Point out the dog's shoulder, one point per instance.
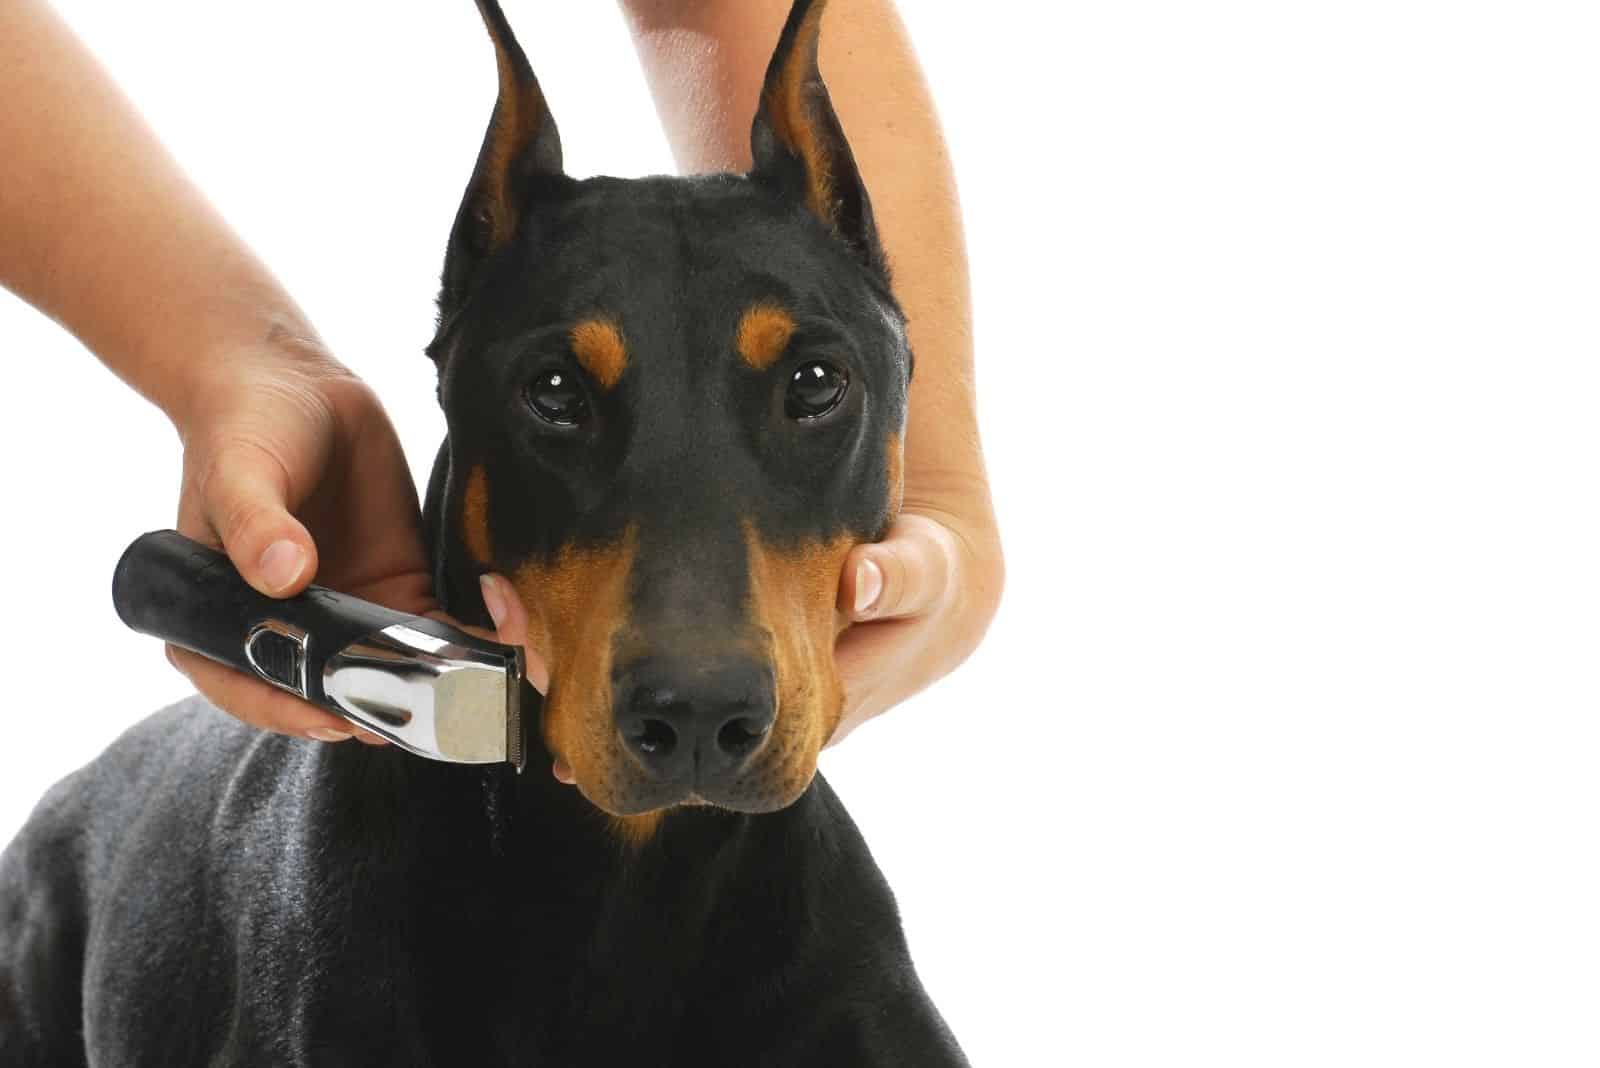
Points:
(91, 807)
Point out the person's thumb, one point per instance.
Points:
(245, 500)
(906, 574)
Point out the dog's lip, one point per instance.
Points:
(664, 797)
(636, 799)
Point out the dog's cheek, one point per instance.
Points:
(475, 517)
(793, 596)
(895, 448)
(578, 602)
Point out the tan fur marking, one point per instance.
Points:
(897, 481)
(599, 348)
(475, 516)
(764, 332)
(576, 603)
(637, 830)
(793, 596)
(791, 118)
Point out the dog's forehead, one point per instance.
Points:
(673, 245)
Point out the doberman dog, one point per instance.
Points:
(673, 406)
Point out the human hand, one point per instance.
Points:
(921, 599)
(291, 467)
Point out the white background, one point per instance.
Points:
(1283, 750)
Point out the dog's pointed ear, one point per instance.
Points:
(521, 149)
(797, 144)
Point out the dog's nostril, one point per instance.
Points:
(742, 734)
(654, 737)
(694, 720)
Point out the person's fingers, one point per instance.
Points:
(906, 574)
(510, 617)
(244, 498)
(256, 703)
(505, 609)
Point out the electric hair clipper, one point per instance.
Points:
(424, 685)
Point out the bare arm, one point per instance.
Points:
(289, 462)
(942, 566)
(107, 236)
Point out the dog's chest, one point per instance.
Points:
(454, 953)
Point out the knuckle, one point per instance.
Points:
(896, 575)
(914, 577)
(237, 495)
(242, 528)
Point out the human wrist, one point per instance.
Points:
(955, 493)
(266, 349)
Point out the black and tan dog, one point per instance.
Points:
(674, 405)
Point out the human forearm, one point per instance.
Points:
(288, 462)
(105, 234)
(705, 60)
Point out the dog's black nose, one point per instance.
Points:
(694, 721)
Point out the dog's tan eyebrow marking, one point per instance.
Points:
(475, 516)
(597, 343)
(764, 332)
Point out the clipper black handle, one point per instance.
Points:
(176, 589)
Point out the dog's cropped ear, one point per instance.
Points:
(520, 150)
(798, 145)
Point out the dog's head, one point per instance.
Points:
(674, 406)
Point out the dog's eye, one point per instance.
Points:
(556, 397)
(815, 390)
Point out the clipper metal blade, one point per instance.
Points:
(453, 698)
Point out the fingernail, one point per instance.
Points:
(869, 584)
(281, 564)
(328, 734)
(562, 772)
(492, 599)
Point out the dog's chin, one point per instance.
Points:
(643, 800)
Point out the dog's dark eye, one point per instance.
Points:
(816, 389)
(556, 397)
